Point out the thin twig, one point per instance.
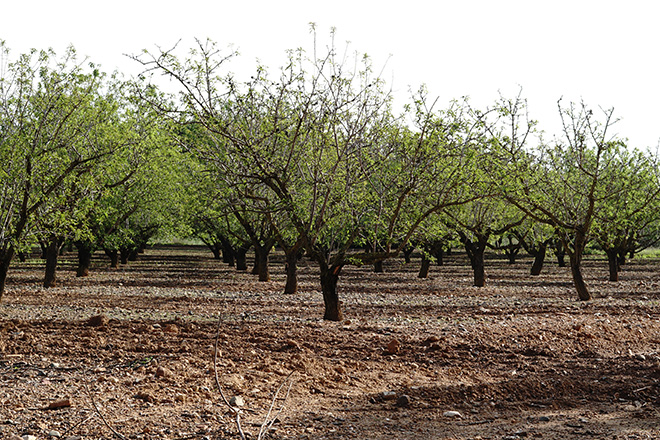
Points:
(96, 408)
(267, 425)
(236, 411)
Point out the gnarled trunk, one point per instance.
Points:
(329, 279)
(378, 266)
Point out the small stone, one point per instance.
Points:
(60, 403)
(290, 344)
(97, 321)
(388, 395)
(163, 372)
(452, 414)
(29, 437)
(171, 328)
(544, 419)
(640, 357)
(144, 396)
(393, 347)
(237, 401)
(54, 433)
(403, 401)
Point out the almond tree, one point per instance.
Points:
(314, 150)
(632, 191)
(562, 183)
(51, 112)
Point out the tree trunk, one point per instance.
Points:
(511, 254)
(291, 267)
(228, 253)
(84, 258)
(539, 258)
(216, 249)
(560, 253)
(479, 268)
(5, 261)
(475, 251)
(407, 252)
(439, 255)
(329, 279)
(241, 257)
(261, 261)
(578, 280)
(425, 267)
(378, 267)
(123, 255)
(52, 252)
(113, 254)
(613, 263)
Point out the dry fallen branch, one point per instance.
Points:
(268, 421)
(267, 425)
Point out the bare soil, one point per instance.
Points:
(520, 358)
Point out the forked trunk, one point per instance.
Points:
(84, 258)
(291, 267)
(511, 254)
(613, 263)
(475, 251)
(329, 279)
(52, 252)
(425, 267)
(539, 258)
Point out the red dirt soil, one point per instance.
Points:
(519, 358)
